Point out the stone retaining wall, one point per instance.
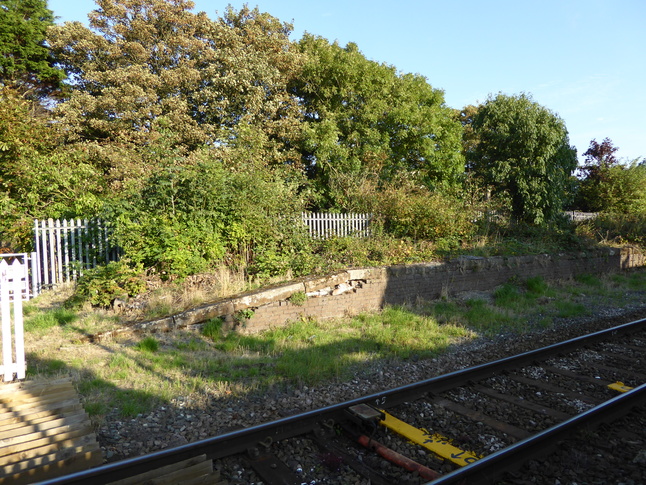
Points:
(371, 289)
(363, 290)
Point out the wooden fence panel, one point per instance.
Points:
(13, 342)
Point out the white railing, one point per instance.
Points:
(64, 248)
(12, 276)
(325, 225)
(580, 216)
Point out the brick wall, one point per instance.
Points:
(362, 290)
(394, 285)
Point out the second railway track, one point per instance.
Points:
(482, 424)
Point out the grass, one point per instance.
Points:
(148, 344)
(521, 306)
(131, 376)
(44, 321)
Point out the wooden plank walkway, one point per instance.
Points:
(44, 432)
(194, 471)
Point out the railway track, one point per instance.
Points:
(477, 425)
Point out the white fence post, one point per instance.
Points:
(13, 343)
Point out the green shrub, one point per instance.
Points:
(242, 316)
(188, 218)
(299, 298)
(616, 228)
(432, 216)
(100, 286)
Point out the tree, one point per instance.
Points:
(595, 174)
(38, 177)
(523, 151)
(26, 63)
(600, 155)
(153, 71)
(608, 185)
(469, 139)
(364, 121)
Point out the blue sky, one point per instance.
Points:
(585, 60)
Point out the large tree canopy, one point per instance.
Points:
(149, 71)
(523, 151)
(26, 63)
(363, 117)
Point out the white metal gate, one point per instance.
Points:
(13, 289)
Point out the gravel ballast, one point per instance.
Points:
(186, 420)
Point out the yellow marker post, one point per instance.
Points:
(432, 442)
(619, 386)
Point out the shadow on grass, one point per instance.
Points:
(136, 376)
(98, 394)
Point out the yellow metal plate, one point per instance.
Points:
(620, 387)
(433, 442)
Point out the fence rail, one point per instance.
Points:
(12, 276)
(65, 248)
(581, 216)
(323, 225)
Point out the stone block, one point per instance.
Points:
(203, 313)
(329, 281)
(263, 297)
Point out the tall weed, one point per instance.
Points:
(616, 228)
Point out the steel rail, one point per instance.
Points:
(492, 467)
(241, 440)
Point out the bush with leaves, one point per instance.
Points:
(100, 286)
(619, 189)
(38, 178)
(616, 228)
(419, 214)
(190, 217)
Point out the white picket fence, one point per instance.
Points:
(580, 216)
(13, 281)
(65, 248)
(323, 225)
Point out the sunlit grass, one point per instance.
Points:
(38, 321)
(134, 375)
(148, 344)
(310, 351)
(520, 306)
